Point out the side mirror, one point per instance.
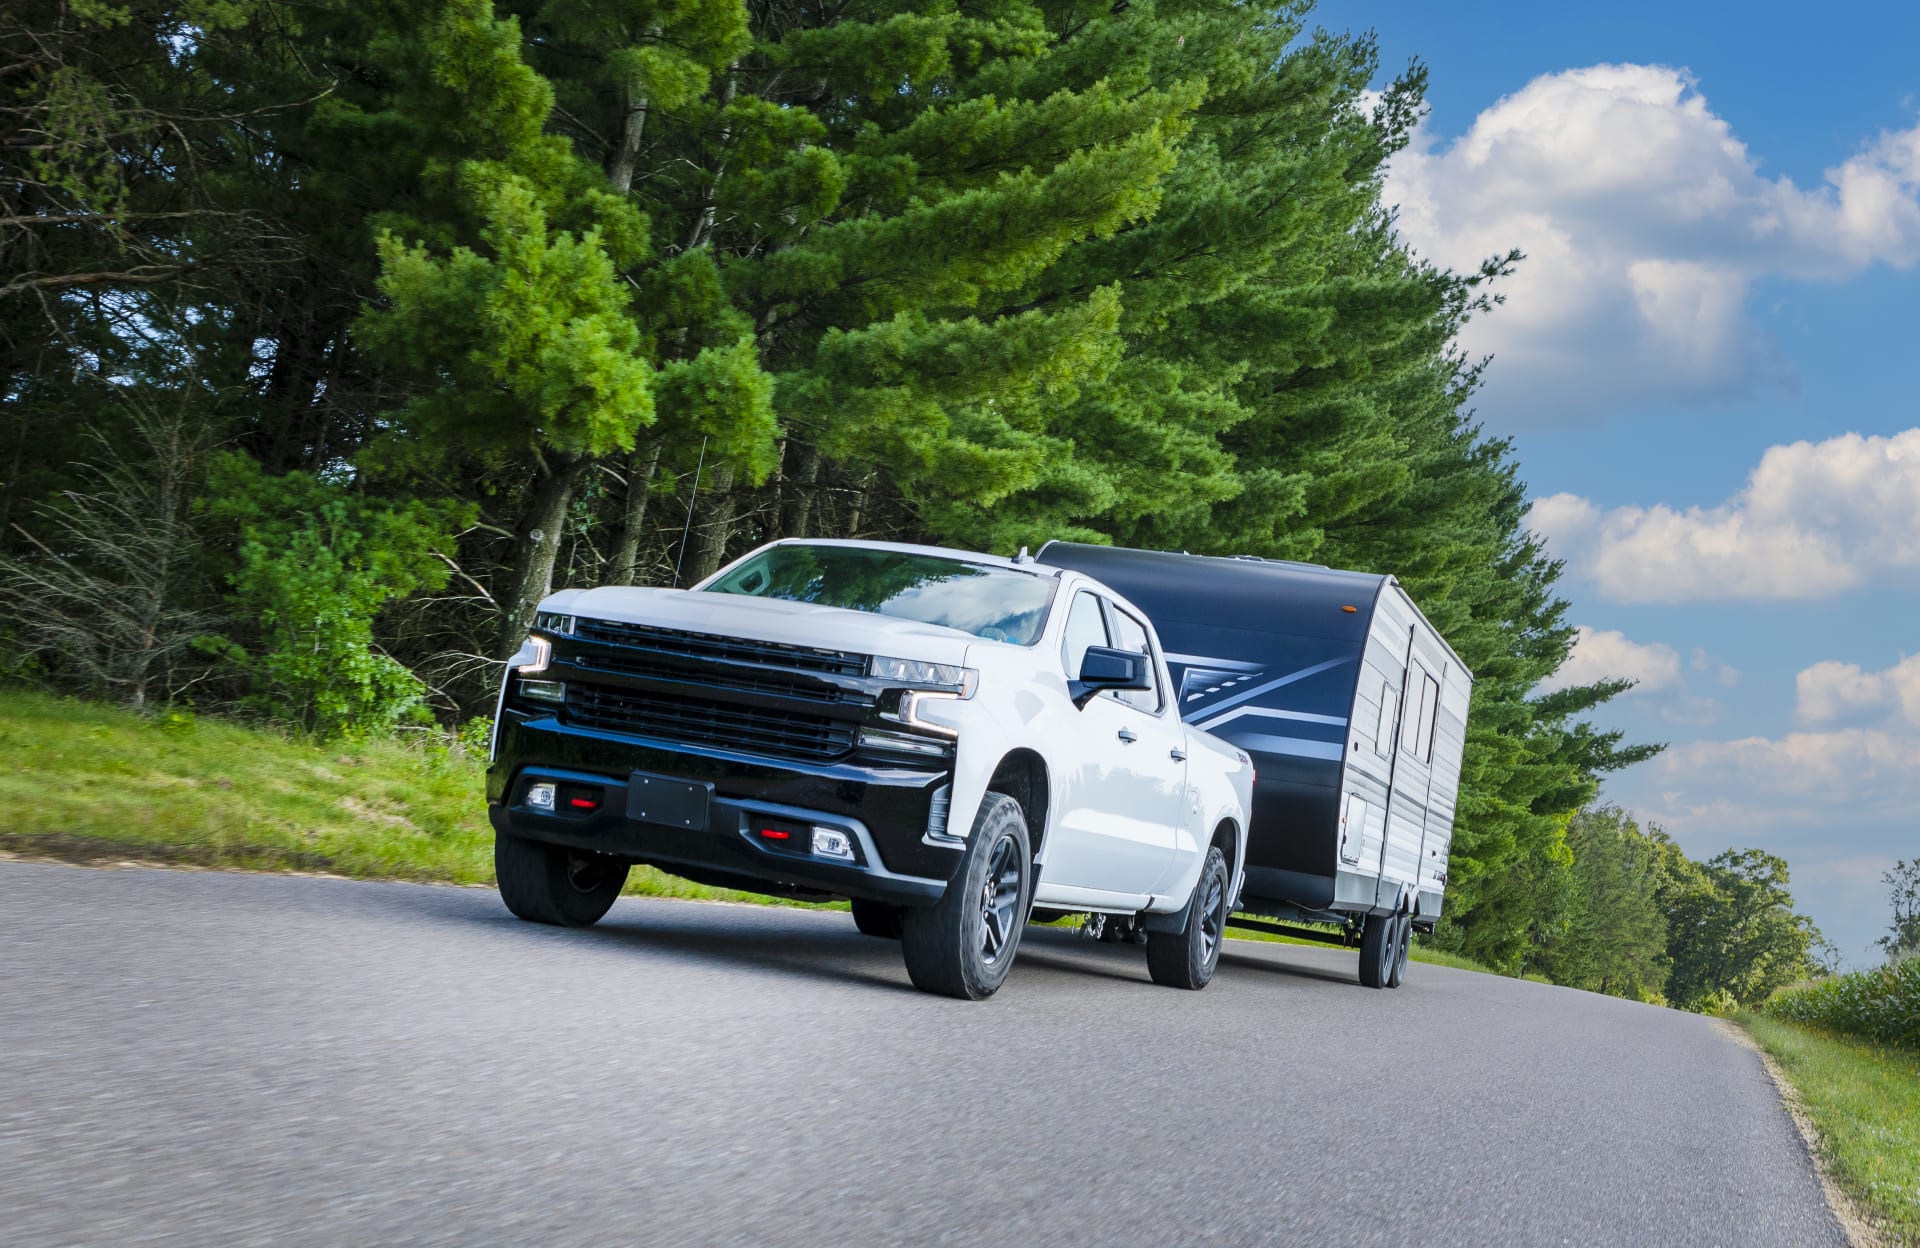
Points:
(1105, 668)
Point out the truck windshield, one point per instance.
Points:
(998, 604)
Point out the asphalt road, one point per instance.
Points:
(195, 1058)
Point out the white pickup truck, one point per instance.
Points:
(950, 740)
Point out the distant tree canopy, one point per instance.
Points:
(488, 298)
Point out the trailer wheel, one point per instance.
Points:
(552, 884)
(1402, 946)
(1187, 958)
(963, 945)
(877, 918)
(1377, 952)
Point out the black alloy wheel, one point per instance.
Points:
(1188, 958)
(964, 944)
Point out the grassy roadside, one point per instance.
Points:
(1864, 1103)
(88, 783)
(84, 782)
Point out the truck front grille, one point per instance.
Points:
(699, 648)
(701, 721)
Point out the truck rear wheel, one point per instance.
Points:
(553, 884)
(877, 918)
(1187, 958)
(1377, 949)
(963, 945)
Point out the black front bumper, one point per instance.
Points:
(884, 810)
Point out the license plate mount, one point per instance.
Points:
(669, 801)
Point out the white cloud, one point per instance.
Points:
(1834, 692)
(1646, 223)
(1814, 518)
(1609, 655)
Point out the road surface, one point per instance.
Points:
(196, 1058)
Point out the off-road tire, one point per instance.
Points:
(1188, 958)
(553, 884)
(1402, 946)
(950, 948)
(877, 918)
(1377, 949)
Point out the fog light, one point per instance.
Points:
(828, 843)
(543, 690)
(540, 797)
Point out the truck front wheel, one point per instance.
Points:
(963, 945)
(1187, 958)
(552, 884)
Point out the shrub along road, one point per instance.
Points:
(197, 1058)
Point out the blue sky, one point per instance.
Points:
(1707, 367)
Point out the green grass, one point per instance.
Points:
(85, 782)
(1864, 1100)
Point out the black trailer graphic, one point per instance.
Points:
(1353, 709)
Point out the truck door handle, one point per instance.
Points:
(1177, 755)
(1127, 737)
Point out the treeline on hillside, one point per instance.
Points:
(335, 334)
(1625, 912)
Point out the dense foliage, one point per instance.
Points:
(335, 335)
(1881, 1004)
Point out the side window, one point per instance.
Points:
(1383, 727)
(1429, 718)
(1410, 718)
(1131, 634)
(1085, 627)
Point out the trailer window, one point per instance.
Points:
(1383, 725)
(1416, 735)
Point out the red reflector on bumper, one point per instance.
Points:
(583, 803)
(776, 834)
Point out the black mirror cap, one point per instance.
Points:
(1105, 668)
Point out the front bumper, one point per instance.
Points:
(885, 811)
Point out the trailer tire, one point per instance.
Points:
(1402, 946)
(964, 944)
(1377, 949)
(553, 884)
(877, 918)
(1188, 958)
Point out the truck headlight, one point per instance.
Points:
(960, 681)
(532, 657)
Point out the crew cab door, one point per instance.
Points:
(1125, 781)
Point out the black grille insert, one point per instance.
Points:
(701, 721)
(702, 647)
(787, 684)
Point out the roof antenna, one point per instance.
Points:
(688, 526)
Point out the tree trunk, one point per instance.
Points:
(801, 472)
(624, 569)
(537, 547)
(712, 527)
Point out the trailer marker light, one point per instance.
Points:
(540, 797)
(1350, 610)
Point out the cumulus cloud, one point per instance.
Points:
(1608, 654)
(1832, 692)
(1646, 223)
(1813, 519)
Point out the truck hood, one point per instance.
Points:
(768, 619)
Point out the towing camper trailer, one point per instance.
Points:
(1354, 710)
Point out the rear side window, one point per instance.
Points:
(1131, 634)
(1085, 627)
